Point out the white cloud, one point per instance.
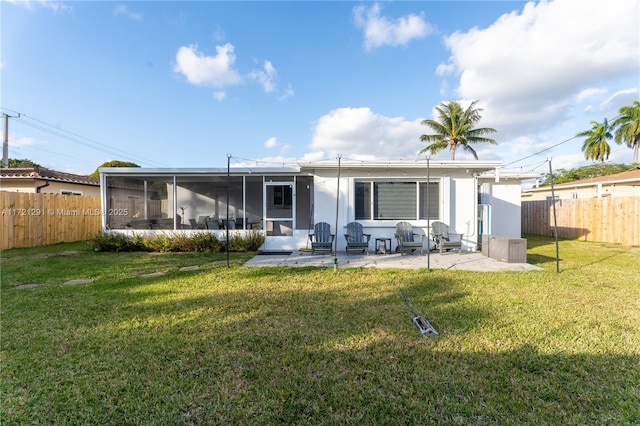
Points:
(267, 76)
(444, 69)
(380, 31)
(54, 6)
(528, 68)
(124, 10)
(213, 71)
(20, 141)
(219, 95)
(359, 133)
(288, 92)
(591, 92)
(619, 99)
(273, 143)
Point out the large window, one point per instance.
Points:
(396, 200)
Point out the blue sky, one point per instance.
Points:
(184, 84)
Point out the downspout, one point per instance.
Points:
(476, 205)
(38, 188)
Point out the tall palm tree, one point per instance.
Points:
(627, 127)
(455, 128)
(595, 146)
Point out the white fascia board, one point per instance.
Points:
(491, 176)
(196, 171)
(476, 166)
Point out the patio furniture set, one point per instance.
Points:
(408, 241)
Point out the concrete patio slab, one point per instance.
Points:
(456, 261)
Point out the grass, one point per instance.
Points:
(244, 345)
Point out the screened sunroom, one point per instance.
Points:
(276, 202)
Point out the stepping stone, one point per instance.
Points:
(152, 275)
(23, 286)
(79, 281)
(190, 268)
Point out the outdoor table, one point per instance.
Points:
(384, 241)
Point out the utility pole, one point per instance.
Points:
(5, 140)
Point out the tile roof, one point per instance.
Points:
(43, 173)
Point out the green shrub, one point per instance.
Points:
(173, 242)
(251, 241)
(159, 243)
(116, 242)
(179, 242)
(205, 241)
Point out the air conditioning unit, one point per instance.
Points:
(506, 249)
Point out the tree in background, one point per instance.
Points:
(455, 128)
(22, 163)
(627, 127)
(596, 146)
(586, 172)
(112, 163)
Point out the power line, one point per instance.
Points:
(78, 139)
(554, 146)
(541, 151)
(65, 156)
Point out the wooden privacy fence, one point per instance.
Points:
(30, 220)
(608, 219)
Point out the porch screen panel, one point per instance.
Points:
(304, 195)
(363, 200)
(140, 202)
(253, 201)
(430, 210)
(394, 200)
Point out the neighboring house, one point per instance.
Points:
(47, 181)
(286, 202)
(625, 184)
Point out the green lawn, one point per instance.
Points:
(244, 345)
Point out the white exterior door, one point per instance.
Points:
(279, 214)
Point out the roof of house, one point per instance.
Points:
(631, 177)
(309, 166)
(43, 173)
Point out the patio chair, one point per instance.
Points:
(201, 221)
(444, 239)
(228, 223)
(407, 239)
(211, 223)
(321, 238)
(357, 240)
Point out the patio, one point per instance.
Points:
(466, 261)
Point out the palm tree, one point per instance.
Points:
(596, 147)
(627, 127)
(454, 128)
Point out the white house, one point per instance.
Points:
(285, 203)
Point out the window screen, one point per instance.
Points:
(429, 207)
(396, 200)
(363, 200)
